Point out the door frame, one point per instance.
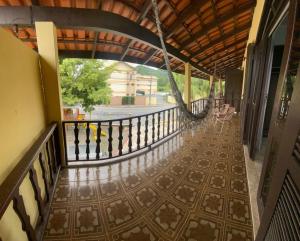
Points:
(287, 163)
(246, 100)
(292, 11)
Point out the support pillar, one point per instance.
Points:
(220, 88)
(211, 80)
(187, 86)
(47, 48)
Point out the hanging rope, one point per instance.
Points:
(176, 93)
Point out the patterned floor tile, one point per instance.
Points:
(86, 191)
(139, 232)
(167, 218)
(202, 228)
(87, 220)
(239, 210)
(238, 169)
(118, 212)
(203, 164)
(164, 182)
(186, 194)
(217, 181)
(196, 177)
(146, 197)
(108, 189)
(213, 203)
(195, 193)
(132, 181)
(233, 233)
(238, 185)
(63, 194)
(59, 223)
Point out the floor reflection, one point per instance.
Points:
(192, 187)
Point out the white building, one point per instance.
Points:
(125, 81)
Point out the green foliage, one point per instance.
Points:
(128, 100)
(84, 81)
(200, 87)
(163, 84)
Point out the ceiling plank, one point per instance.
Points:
(221, 39)
(87, 19)
(243, 40)
(146, 8)
(214, 24)
(224, 58)
(235, 63)
(191, 9)
(98, 6)
(150, 54)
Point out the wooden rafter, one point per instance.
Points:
(214, 24)
(147, 6)
(124, 18)
(223, 38)
(186, 13)
(243, 40)
(235, 63)
(98, 6)
(149, 55)
(225, 58)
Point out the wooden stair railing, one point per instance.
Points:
(45, 150)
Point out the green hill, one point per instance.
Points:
(200, 87)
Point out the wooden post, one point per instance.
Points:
(220, 88)
(187, 86)
(211, 79)
(47, 47)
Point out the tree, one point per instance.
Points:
(162, 77)
(200, 87)
(84, 81)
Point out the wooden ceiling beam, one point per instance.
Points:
(223, 38)
(224, 58)
(232, 60)
(95, 44)
(191, 9)
(216, 18)
(87, 19)
(234, 63)
(226, 62)
(146, 8)
(214, 24)
(149, 55)
(243, 40)
(240, 51)
(98, 6)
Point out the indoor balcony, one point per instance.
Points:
(168, 181)
(158, 176)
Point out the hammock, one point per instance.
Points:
(177, 95)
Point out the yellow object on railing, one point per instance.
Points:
(93, 127)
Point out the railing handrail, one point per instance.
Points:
(127, 118)
(143, 131)
(15, 178)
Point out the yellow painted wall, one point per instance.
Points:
(22, 121)
(254, 29)
(48, 52)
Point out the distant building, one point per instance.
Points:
(127, 84)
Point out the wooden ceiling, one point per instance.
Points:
(207, 33)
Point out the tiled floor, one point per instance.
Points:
(197, 192)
